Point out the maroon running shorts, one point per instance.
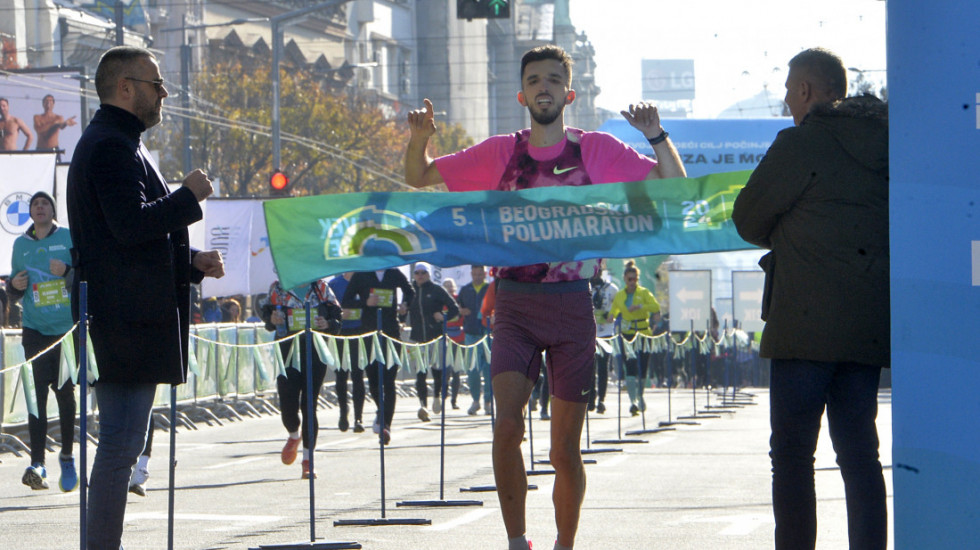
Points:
(553, 317)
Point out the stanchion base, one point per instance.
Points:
(309, 545)
(489, 488)
(723, 408)
(699, 416)
(676, 423)
(382, 522)
(601, 450)
(715, 412)
(618, 441)
(649, 431)
(439, 503)
(540, 472)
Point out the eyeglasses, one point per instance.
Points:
(157, 82)
(421, 271)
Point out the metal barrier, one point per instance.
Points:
(233, 369)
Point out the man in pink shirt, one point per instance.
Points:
(546, 306)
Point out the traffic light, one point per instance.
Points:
(482, 9)
(279, 183)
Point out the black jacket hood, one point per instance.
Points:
(847, 120)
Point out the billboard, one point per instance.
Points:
(42, 111)
(709, 146)
(667, 79)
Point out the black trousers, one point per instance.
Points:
(45, 369)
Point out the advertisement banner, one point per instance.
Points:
(313, 237)
(42, 111)
(34, 172)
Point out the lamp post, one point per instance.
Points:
(277, 22)
(185, 68)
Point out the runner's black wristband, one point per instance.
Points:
(659, 139)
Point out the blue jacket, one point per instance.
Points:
(46, 307)
(473, 300)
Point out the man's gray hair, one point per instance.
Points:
(822, 68)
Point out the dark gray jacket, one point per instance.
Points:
(819, 202)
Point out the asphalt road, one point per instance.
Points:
(697, 486)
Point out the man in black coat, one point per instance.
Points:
(131, 246)
(819, 202)
(428, 310)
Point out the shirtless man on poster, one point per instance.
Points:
(9, 125)
(48, 125)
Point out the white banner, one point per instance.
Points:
(21, 175)
(228, 229)
(236, 228)
(262, 272)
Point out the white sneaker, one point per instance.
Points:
(437, 406)
(137, 483)
(423, 414)
(474, 408)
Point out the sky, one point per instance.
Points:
(738, 47)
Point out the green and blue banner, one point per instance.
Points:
(314, 237)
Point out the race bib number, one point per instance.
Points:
(50, 293)
(386, 296)
(297, 320)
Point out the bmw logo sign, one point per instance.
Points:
(15, 215)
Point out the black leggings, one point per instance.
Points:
(390, 374)
(356, 376)
(45, 370)
(292, 392)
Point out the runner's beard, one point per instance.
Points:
(544, 117)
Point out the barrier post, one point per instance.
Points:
(83, 407)
(442, 502)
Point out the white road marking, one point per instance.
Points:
(462, 520)
(238, 462)
(223, 518)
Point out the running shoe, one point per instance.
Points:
(600, 407)
(69, 477)
(474, 408)
(423, 415)
(306, 471)
(289, 450)
(358, 427)
(386, 436)
(437, 406)
(343, 424)
(35, 477)
(137, 483)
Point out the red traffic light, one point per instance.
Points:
(279, 181)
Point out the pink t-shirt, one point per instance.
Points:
(480, 167)
(604, 158)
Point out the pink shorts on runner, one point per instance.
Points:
(553, 317)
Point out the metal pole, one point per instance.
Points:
(83, 395)
(185, 102)
(173, 465)
(276, 49)
(118, 14)
(310, 414)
